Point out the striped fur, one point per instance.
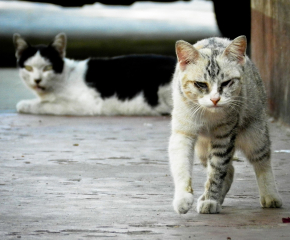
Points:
(219, 107)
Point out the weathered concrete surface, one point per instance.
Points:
(271, 52)
(108, 178)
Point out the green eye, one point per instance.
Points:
(200, 85)
(28, 68)
(47, 68)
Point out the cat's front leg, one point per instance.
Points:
(28, 106)
(36, 106)
(181, 147)
(212, 206)
(219, 172)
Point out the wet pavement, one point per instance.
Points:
(108, 178)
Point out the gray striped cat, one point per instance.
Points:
(219, 107)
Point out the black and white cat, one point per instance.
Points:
(124, 85)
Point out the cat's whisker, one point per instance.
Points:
(198, 112)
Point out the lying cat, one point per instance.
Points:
(124, 85)
(218, 107)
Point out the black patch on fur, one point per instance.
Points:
(48, 52)
(213, 43)
(27, 53)
(227, 160)
(127, 76)
(53, 56)
(223, 175)
(213, 69)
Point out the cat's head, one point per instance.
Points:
(40, 65)
(211, 71)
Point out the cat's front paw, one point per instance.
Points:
(271, 201)
(26, 106)
(23, 106)
(207, 206)
(182, 202)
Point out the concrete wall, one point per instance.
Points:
(271, 52)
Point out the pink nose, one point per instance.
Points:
(215, 100)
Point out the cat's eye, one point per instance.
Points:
(227, 83)
(28, 68)
(200, 85)
(47, 68)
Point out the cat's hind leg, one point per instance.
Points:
(256, 147)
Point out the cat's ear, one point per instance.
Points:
(236, 51)
(59, 44)
(20, 45)
(186, 54)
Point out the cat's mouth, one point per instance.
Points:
(39, 88)
(215, 108)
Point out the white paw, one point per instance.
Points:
(23, 106)
(27, 106)
(207, 206)
(182, 202)
(271, 201)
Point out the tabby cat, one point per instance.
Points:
(124, 85)
(218, 107)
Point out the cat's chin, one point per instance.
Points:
(215, 109)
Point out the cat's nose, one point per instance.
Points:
(37, 81)
(215, 99)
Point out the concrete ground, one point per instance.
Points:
(108, 178)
